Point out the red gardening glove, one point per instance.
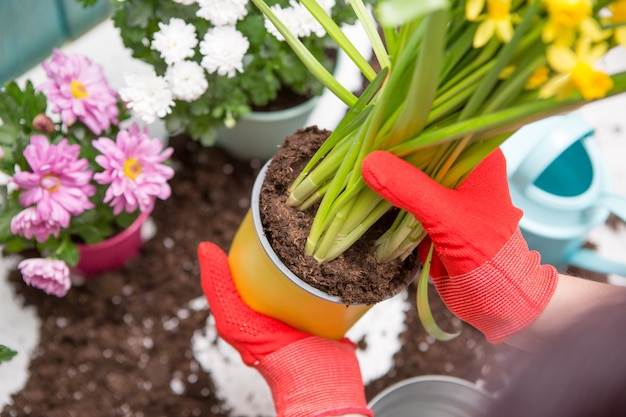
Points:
(308, 376)
(482, 267)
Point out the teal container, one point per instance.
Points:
(79, 19)
(30, 29)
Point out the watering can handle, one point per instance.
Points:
(589, 259)
(560, 134)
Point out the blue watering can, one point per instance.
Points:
(558, 177)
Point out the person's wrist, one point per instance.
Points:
(503, 295)
(315, 377)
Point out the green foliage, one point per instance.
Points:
(270, 65)
(6, 354)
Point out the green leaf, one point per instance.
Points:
(423, 306)
(6, 354)
(423, 87)
(392, 13)
(66, 251)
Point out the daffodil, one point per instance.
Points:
(567, 18)
(618, 16)
(575, 71)
(496, 21)
(538, 78)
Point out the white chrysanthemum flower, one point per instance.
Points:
(284, 15)
(185, 2)
(298, 19)
(308, 23)
(186, 80)
(147, 95)
(222, 12)
(223, 48)
(175, 40)
(305, 20)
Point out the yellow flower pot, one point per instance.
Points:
(269, 287)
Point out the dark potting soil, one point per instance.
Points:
(356, 276)
(112, 346)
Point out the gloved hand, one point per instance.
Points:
(308, 375)
(482, 267)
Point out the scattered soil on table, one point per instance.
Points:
(356, 276)
(112, 346)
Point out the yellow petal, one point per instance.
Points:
(591, 29)
(596, 52)
(484, 33)
(473, 9)
(620, 36)
(504, 29)
(554, 86)
(538, 78)
(560, 58)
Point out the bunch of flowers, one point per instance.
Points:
(212, 61)
(79, 178)
(457, 78)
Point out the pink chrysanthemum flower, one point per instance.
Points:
(133, 168)
(28, 223)
(78, 89)
(59, 184)
(50, 275)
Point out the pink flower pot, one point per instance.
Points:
(112, 253)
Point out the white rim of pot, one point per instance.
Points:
(428, 378)
(287, 113)
(258, 226)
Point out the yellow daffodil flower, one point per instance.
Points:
(538, 78)
(497, 21)
(618, 15)
(566, 18)
(575, 70)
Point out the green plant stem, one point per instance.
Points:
(423, 306)
(316, 178)
(502, 60)
(349, 240)
(335, 32)
(423, 85)
(316, 68)
(370, 28)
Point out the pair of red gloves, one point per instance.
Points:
(481, 268)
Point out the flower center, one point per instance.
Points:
(78, 89)
(538, 78)
(569, 13)
(498, 9)
(619, 11)
(591, 83)
(132, 168)
(50, 183)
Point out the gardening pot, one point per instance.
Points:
(266, 285)
(258, 135)
(110, 254)
(431, 396)
(559, 179)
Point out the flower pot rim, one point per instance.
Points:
(116, 239)
(402, 392)
(289, 112)
(256, 220)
